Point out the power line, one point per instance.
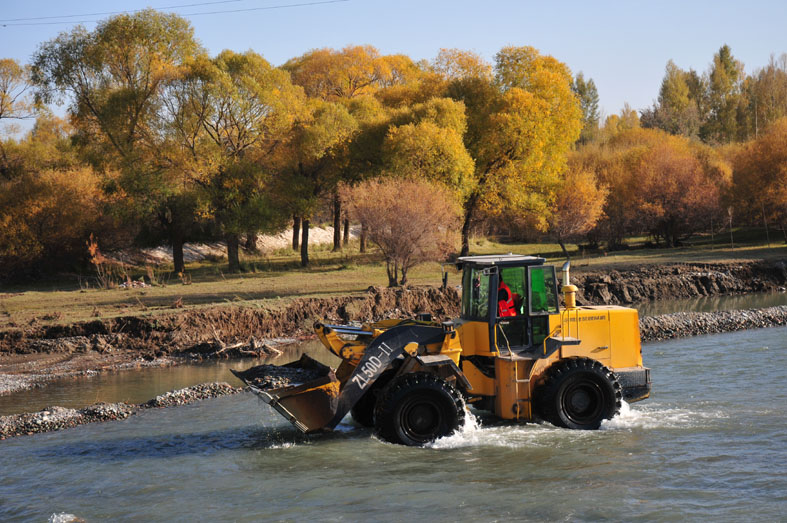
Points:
(305, 4)
(116, 12)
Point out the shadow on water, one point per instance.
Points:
(198, 443)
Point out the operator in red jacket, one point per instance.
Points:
(505, 301)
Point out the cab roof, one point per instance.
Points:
(502, 259)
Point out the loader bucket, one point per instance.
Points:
(310, 405)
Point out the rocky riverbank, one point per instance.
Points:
(57, 418)
(685, 324)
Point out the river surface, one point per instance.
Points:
(712, 303)
(711, 445)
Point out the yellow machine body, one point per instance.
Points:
(500, 364)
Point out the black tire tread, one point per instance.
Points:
(546, 406)
(398, 388)
(363, 410)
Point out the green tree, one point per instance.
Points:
(228, 115)
(724, 96)
(586, 92)
(114, 78)
(677, 110)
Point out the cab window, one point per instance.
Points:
(514, 278)
(543, 290)
(475, 294)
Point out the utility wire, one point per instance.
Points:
(116, 12)
(305, 4)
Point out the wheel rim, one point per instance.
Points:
(421, 419)
(583, 402)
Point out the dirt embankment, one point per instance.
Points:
(231, 331)
(226, 331)
(652, 283)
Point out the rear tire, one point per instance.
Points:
(417, 408)
(579, 393)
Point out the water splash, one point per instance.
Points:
(63, 517)
(654, 416)
(474, 434)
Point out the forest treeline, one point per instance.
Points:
(165, 144)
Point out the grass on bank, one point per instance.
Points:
(274, 279)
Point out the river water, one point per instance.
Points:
(711, 444)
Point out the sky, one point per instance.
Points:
(622, 46)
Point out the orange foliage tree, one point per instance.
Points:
(411, 221)
(661, 184)
(48, 216)
(760, 177)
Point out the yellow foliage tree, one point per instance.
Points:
(520, 126)
(579, 203)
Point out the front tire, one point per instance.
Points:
(417, 408)
(579, 393)
(363, 410)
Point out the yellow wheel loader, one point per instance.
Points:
(514, 352)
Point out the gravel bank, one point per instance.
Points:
(57, 418)
(684, 324)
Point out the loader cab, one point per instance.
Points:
(534, 289)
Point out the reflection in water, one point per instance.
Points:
(712, 303)
(138, 386)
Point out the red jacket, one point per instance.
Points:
(505, 301)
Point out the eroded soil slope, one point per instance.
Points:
(208, 331)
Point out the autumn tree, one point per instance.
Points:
(766, 94)
(113, 79)
(340, 76)
(579, 204)
(15, 102)
(520, 126)
(312, 161)
(677, 110)
(759, 188)
(45, 218)
(228, 115)
(427, 145)
(661, 184)
(406, 232)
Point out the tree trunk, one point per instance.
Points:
(466, 234)
(468, 220)
(346, 238)
(337, 222)
(393, 273)
(177, 252)
(563, 246)
(305, 243)
(403, 281)
(296, 232)
(363, 238)
(765, 222)
(251, 242)
(232, 252)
